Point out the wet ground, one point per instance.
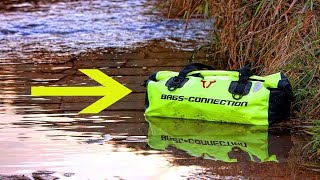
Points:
(45, 44)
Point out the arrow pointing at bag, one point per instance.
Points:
(111, 90)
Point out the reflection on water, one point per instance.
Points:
(217, 141)
(41, 134)
(65, 143)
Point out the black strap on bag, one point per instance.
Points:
(193, 67)
(178, 81)
(237, 88)
(241, 87)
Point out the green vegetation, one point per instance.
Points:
(308, 156)
(315, 143)
(273, 36)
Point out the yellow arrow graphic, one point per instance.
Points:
(111, 90)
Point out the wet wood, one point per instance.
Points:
(117, 106)
(130, 67)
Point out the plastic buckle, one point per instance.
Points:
(238, 90)
(175, 83)
(237, 96)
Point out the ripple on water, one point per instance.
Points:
(74, 26)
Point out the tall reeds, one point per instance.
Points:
(272, 35)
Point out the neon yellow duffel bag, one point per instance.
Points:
(199, 92)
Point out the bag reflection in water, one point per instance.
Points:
(210, 140)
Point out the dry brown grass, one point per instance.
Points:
(272, 35)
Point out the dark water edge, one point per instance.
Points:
(45, 138)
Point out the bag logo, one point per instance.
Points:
(204, 83)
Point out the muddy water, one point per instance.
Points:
(73, 27)
(45, 45)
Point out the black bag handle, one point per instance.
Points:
(178, 81)
(244, 73)
(194, 67)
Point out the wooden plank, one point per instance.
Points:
(132, 97)
(132, 82)
(157, 63)
(120, 105)
(111, 115)
(136, 71)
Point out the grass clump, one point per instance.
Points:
(312, 149)
(272, 35)
(314, 131)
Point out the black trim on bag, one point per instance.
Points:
(260, 80)
(146, 101)
(285, 84)
(153, 77)
(199, 75)
(280, 101)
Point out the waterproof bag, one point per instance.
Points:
(199, 92)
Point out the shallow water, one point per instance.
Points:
(44, 45)
(77, 26)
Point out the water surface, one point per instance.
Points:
(64, 28)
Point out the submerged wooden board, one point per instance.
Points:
(131, 68)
